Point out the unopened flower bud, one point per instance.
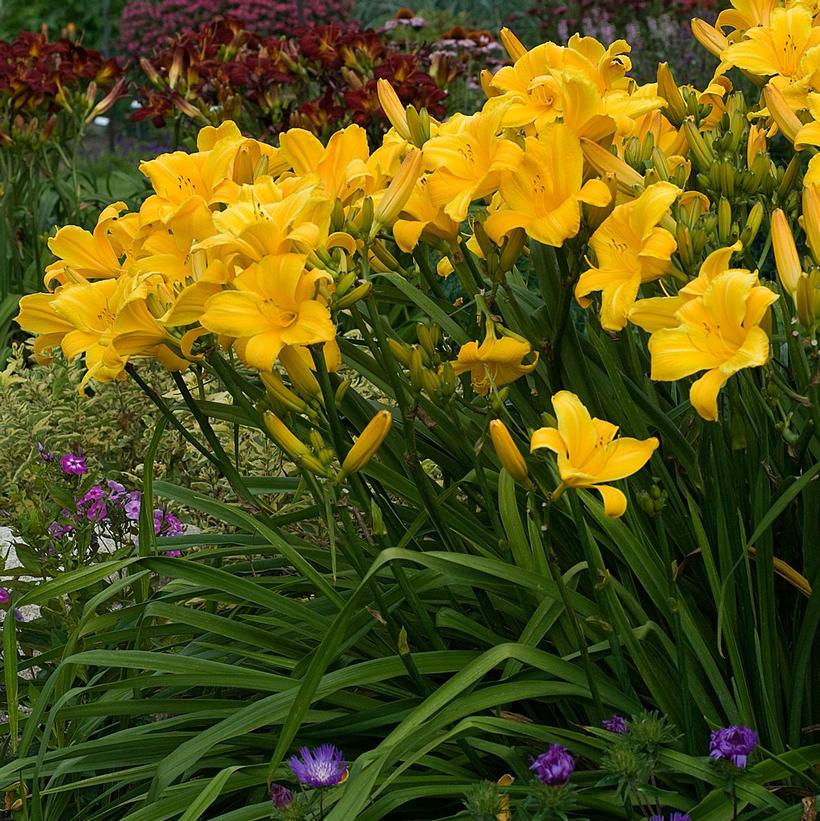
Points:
(807, 299)
(753, 223)
(786, 257)
(675, 110)
(284, 437)
(508, 453)
(512, 45)
(367, 444)
(811, 219)
(398, 192)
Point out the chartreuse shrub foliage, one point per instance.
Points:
(547, 379)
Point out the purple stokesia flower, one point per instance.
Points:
(322, 767)
(5, 598)
(615, 724)
(281, 797)
(733, 744)
(73, 464)
(554, 767)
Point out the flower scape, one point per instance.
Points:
(544, 380)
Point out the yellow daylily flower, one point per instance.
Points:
(274, 305)
(718, 332)
(630, 249)
(467, 163)
(341, 166)
(420, 217)
(776, 49)
(495, 362)
(659, 312)
(746, 14)
(92, 255)
(588, 453)
(787, 260)
(543, 195)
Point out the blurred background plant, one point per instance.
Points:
(50, 92)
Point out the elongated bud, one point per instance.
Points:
(299, 372)
(780, 111)
(709, 37)
(699, 148)
(398, 192)
(753, 223)
(431, 384)
(605, 162)
(790, 176)
(724, 221)
(425, 338)
(508, 454)
(786, 257)
(811, 219)
(675, 110)
(367, 444)
(393, 109)
(513, 247)
(686, 251)
(400, 351)
(756, 143)
(447, 378)
(807, 299)
(416, 368)
(284, 437)
(512, 45)
(351, 298)
(418, 123)
(485, 77)
(150, 72)
(341, 391)
(281, 393)
(384, 256)
(344, 284)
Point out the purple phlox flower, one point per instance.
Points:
(733, 744)
(323, 766)
(132, 505)
(45, 455)
(554, 767)
(5, 598)
(92, 504)
(166, 524)
(59, 531)
(616, 724)
(73, 464)
(281, 797)
(115, 490)
(173, 554)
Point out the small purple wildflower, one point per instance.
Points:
(555, 766)
(5, 598)
(173, 554)
(18, 614)
(166, 524)
(73, 464)
(733, 744)
(675, 816)
(115, 490)
(616, 724)
(59, 531)
(321, 767)
(92, 504)
(45, 455)
(132, 505)
(281, 797)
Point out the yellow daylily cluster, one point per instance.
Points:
(263, 249)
